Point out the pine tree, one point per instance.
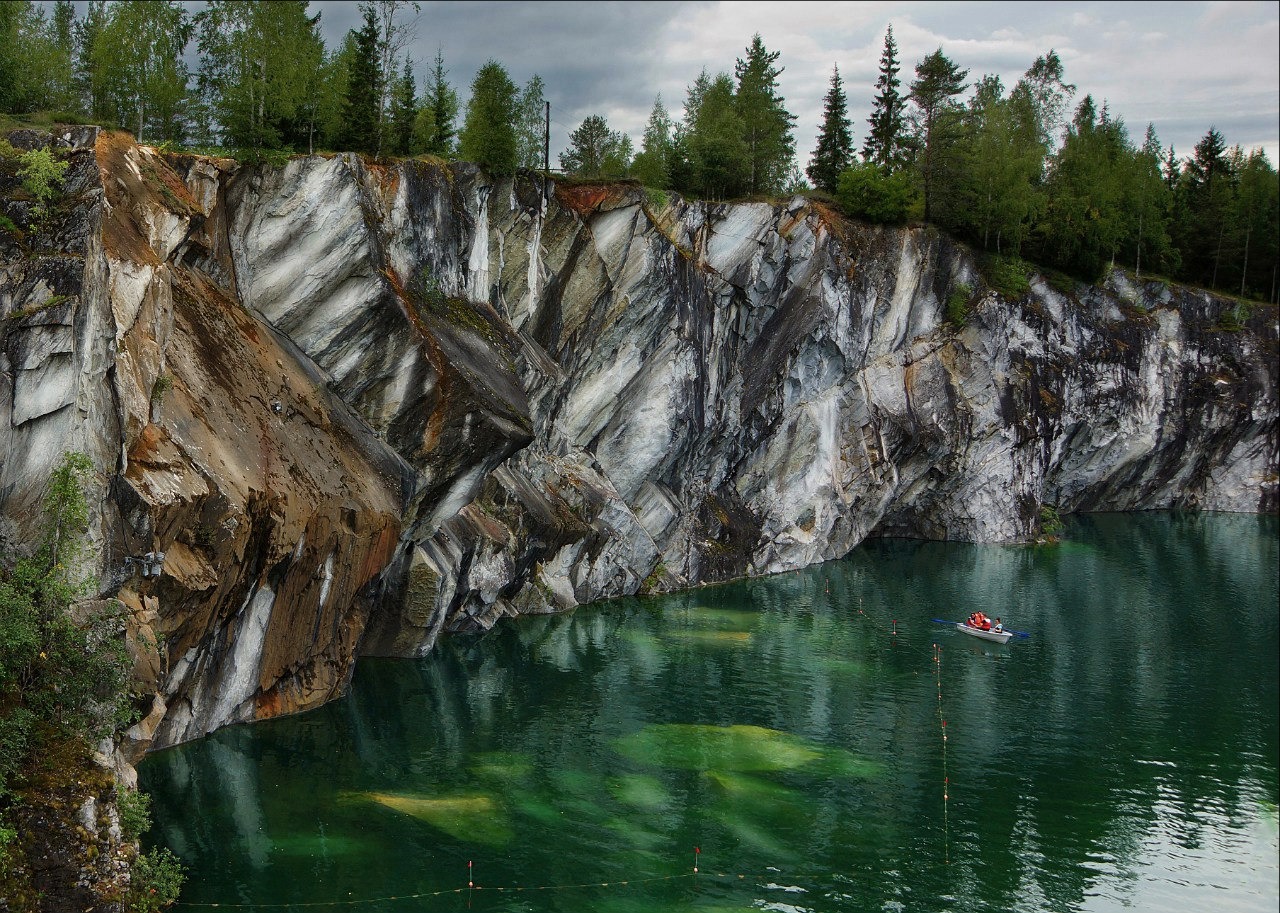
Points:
(404, 112)
(1254, 223)
(885, 144)
(436, 126)
(1001, 163)
(766, 123)
(489, 132)
(938, 81)
(596, 151)
(834, 151)
(364, 88)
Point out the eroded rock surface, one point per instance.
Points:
(360, 406)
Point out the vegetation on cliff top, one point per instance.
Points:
(1011, 170)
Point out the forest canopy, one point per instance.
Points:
(1039, 170)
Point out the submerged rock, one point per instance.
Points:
(340, 408)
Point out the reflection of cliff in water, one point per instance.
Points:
(1126, 752)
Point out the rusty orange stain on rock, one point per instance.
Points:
(584, 199)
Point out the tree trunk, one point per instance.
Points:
(1244, 270)
(1217, 255)
(1137, 263)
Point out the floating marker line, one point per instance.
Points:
(770, 874)
(946, 779)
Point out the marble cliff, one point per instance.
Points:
(360, 405)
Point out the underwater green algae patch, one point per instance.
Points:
(469, 818)
(698, 747)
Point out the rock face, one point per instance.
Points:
(358, 406)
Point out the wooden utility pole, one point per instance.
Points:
(546, 144)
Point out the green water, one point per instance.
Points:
(1122, 757)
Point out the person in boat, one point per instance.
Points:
(999, 628)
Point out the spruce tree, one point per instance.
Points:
(766, 123)
(404, 111)
(359, 131)
(436, 128)
(489, 132)
(886, 139)
(834, 152)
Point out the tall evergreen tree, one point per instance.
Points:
(489, 132)
(938, 82)
(363, 90)
(436, 128)
(681, 166)
(1087, 220)
(404, 112)
(1206, 189)
(531, 124)
(652, 167)
(834, 151)
(886, 140)
(766, 123)
(1254, 225)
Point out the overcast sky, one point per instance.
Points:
(1183, 66)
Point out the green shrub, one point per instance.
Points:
(1010, 276)
(156, 882)
(163, 384)
(865, 191)
(8, 151)
(657, 199)
(135, 812)
(59, 681)
(1051, 524)
(42, 176)
(958, 305)
(1234, 319)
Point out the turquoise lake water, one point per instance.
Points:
(1122, 757)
